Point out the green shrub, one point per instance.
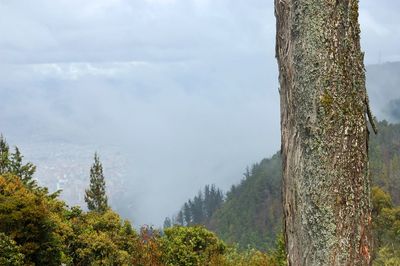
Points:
(190, 246)
(102, 239)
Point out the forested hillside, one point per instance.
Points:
(251, 213)
(385, 159)
(37, 228)
(383, 87)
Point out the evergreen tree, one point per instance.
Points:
(247, 174)
(199, 210)
(197, 207)
(24, 171)
(12, 163)
(95, 196)
(394, 177)
(167, 223)
(4, 155)
(208, 201)
(187, 214)
(179, 218)
(213, 201)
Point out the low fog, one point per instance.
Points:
(181, 93)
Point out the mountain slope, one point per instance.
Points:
(252, 214)
(383, 88)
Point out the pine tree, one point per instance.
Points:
(213, 198)
(24, 171)
(197, 209)
(167, 223)
(207, 201)
(4, 155)
(12, 163)
(394, 177)
(187, 214)
(179, 218)
(95, 196)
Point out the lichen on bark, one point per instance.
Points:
(324, 132)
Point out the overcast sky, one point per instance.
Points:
(187, 88)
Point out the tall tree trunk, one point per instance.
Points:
(326, 190)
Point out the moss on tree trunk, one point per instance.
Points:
(326, 190)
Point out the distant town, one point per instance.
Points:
(64, 166)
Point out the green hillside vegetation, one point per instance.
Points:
(385, 159)
(37, 228)
(251, 213)
(199, 210)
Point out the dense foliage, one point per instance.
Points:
(385, 159)
(198, 210)
(191, 246)
(36, 228)
(385, 174)
(30, 218)
(386, 228)
(9, 251)
(251, 213)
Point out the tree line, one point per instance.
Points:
(251, 212)
(199, 210)
(37, 228)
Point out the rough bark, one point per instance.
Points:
(326, 190)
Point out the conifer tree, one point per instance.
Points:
(95, 196)
(12, 163)
(198, 209)
(167, 223)
(187, 214)
(24, 171)
(213, 198)
(4, 155)
(179, 218)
